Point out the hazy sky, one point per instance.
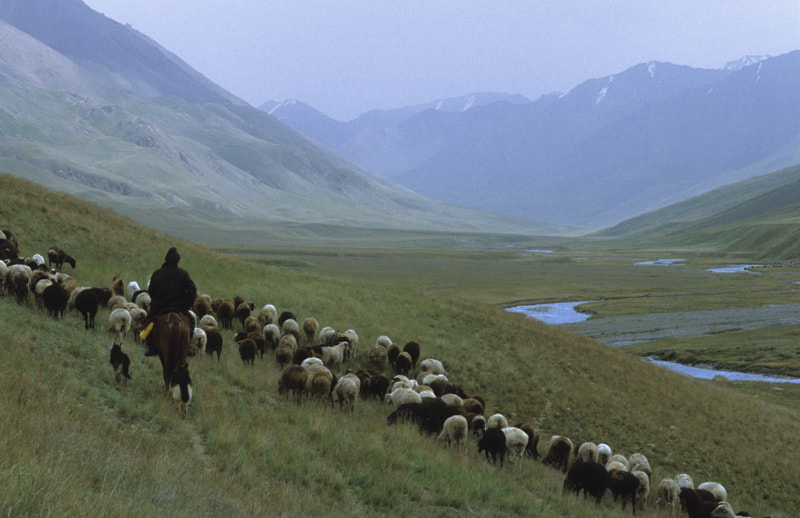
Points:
(345, 57)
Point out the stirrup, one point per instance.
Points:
(146, 332)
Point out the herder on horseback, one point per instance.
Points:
(171, 289)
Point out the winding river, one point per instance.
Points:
(631, 329)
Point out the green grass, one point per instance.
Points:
(74, 442)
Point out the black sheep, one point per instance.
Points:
(87, 302)
(493, 443)
(392, 352)
(623, 484)
(55, 299)
(378, 385)
(213, 341)
(589, 477)
(412, 348)
(695, 504)
(402, 364)
(429, 416)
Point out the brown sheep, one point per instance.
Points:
(243, 311)
(293, 379)
(201, 306)
(247, 351)
(251, 325)
(310, 327)
(533, 439)
(117, 286)
(320, 385)
(377, 356)
(558, 452)
(226, 311)
(57, 257)
(213, 341)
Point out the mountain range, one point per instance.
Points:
(98, 110)
(610, 149)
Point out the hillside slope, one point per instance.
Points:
(74, 441)
(758, 215)
(117, 120)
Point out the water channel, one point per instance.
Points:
(631, 329)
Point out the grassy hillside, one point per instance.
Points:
(759, 215)
(74, 442)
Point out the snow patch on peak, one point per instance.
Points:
(470, 103)
(603, 91)
(287, 102)
(651, 68)
(733, 66)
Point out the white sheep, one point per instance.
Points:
(347, 389)
(452, 400)
(516, 442)
(39, 259)
(116, 302)
(143, 300)
(684, 481)
(119, 323)
(267, 314)
(326, 334)
(272, 335)
(667, 494)
(138, 319)
(588, 452)
(615, 465)
(643, 491)
(639, 462)
(401, 381)
(603, 453)
(621, 459)
(716, 489)
(455, 431)
(290, 325)
(131, 289)
(426, 378)
(497, 421)
(432, 366)
(426, 394)
(199, 340)
(333, 356)
(312, 364)
(401, 396)
(384, 341)
(353, 337)
(3, 272)
(208, 320)
(723, 510)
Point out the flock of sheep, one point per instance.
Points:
(310, 358)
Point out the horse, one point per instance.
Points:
(170, 338)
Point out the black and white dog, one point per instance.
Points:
(120, 363)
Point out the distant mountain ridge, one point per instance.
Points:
(610, 149)
(114, 118)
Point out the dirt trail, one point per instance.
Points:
(631, 329)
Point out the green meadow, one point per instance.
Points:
(74, 442)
